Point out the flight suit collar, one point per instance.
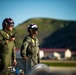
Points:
(32, 37)
(8, 32)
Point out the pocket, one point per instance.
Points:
(33, 44)
(5, 49)
(37, 44)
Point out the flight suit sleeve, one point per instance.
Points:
(2, 42)
(14, 52)
(38, 56)
(24, 47)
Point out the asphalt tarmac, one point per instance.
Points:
(62, 70)
(53, 70)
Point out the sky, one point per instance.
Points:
(22, 10)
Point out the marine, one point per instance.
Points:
(7, 46)
(30, 48)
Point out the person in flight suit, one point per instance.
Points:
(7, 45)
(30, 48)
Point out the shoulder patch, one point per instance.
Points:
(33, 41)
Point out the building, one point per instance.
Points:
(58, 53)
(52, 53)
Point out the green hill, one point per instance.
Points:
(52, 33)
(62, 38)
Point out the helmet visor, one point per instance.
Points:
(10, 22)
(11, 25)
(34, 29)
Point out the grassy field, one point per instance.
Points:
(57, 63)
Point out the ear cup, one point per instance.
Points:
(5, 24)
(29, 30)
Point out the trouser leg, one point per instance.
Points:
(28, 66)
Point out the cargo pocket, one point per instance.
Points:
(5, 49)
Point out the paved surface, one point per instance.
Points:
(58, 71)
(63, 70)
(53, 70)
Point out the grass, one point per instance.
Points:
(60, 64)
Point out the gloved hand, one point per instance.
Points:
(25, 57)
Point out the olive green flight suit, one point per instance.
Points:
(7, 50)
(30, 48)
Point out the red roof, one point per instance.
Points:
(53, 49)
